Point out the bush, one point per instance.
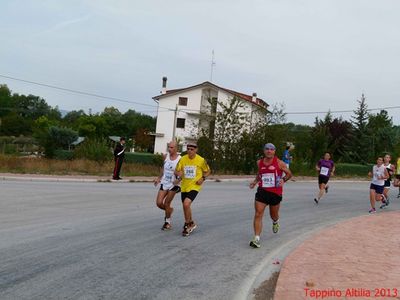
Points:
(10, 149)
(144, 158)
(63, 154)
(94, 149)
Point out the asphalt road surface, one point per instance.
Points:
(103, 240)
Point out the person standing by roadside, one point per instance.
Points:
(287, 157)
(168, 189)
(325, 168)
(270, 182)
(119, 154)
(386, 189)
(193, 170)
(378, 174)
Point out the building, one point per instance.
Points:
(181, 111)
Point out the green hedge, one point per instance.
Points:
(143, 158)
(353, 169)
(342, 169)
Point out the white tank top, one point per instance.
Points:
(377, 172)
(168, 175)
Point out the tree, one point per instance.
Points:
(72, 117)
(227, 123)
(5, 100)
(143, 140)
(382, 134)
(277, 114)
(62, 137)
(360, 146)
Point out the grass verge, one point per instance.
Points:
(33, 165)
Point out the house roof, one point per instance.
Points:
(259, 102)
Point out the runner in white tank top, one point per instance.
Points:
(378, 174)
(167, 179)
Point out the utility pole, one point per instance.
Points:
(174, 129)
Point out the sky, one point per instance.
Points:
(311, 55)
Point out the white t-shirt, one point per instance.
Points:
(377, 172)
(168, 174)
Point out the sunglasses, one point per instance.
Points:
(272, 149)
(191, 149)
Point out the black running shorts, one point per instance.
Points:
(191, 195)
(387, 183)
(175, 188)
(267, 198)
(323, 179)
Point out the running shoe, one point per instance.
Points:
(255, 243)
(315, 200)
(326, 189)
(387, 201)
(372, 211)
(192, 227)
(275, 227)
(185, 231)
(383, 205)
(166, 226)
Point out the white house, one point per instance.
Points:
(179, 111)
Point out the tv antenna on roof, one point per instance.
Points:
(212, 65)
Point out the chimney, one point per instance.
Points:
(254, 97)
(164, 85)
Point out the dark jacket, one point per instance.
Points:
(119, 151)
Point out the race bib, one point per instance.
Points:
(268, 180)
(190, 172)
(168, 177)
(324, 171)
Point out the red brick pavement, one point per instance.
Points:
(356, 259)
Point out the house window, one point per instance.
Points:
(180, 123)
(183, 101)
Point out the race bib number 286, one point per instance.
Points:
(190, 172)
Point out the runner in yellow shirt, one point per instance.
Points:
(192, 169)
(397, 176)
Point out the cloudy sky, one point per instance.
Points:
(312, 55)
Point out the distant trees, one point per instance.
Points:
(359, 140)
(32, 116)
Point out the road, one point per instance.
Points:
(103, 240)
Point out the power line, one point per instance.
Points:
(171, 109)
(80, 92)
(338, 111)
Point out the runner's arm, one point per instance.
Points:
(286, 170)
(385, 175)
(179, 170)
(256, 180)
(157, 180)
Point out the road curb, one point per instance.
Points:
(266, 267)
(41, 178)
